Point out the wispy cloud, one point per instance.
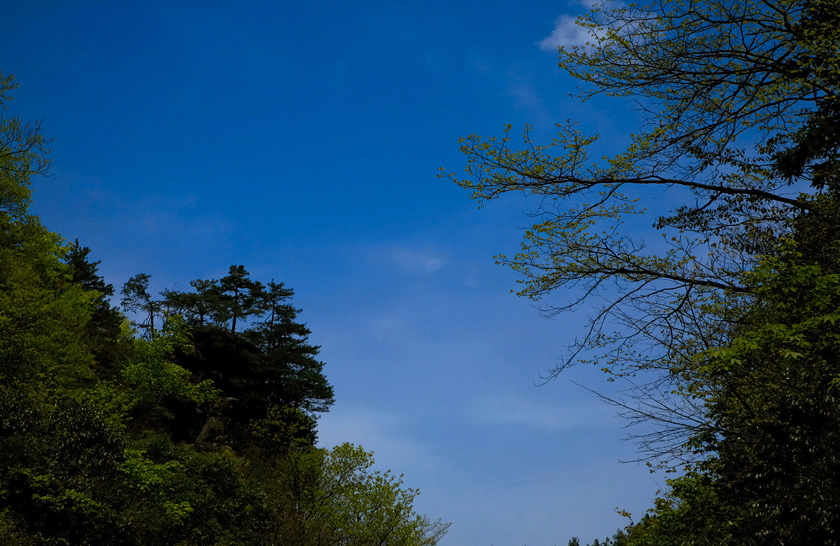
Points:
(526, 98)
(383, 433)
(481, 65)
(521, 411)
(415, 262)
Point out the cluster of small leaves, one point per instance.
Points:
(362, 505)
(23, 153)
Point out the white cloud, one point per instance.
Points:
(566, 33)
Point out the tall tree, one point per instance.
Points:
(241, 296)
(199, 308)
(769, 472)
(738, 100)
(344, 501)
(42, 313)
(88, 455)
(136, 298)
(289, 373)
(772, 399)
(267, 370)
(103, 330)
(734, 313)
(23, 154)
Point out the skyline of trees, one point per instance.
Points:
(183, 431)
(199, 425)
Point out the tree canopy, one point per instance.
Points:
(721, 312)
(737, 99)
(195, 428)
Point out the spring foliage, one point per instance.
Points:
(108, 437)
(722, 313)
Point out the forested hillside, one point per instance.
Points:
(193, 422)
(721, 314)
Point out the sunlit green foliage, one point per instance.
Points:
(22, 155)
(357, 504)
(723, 87)
(739, 102)
(723, 313)
(105, 437)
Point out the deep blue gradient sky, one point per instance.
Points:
(303, 140)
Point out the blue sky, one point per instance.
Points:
(303, 141)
